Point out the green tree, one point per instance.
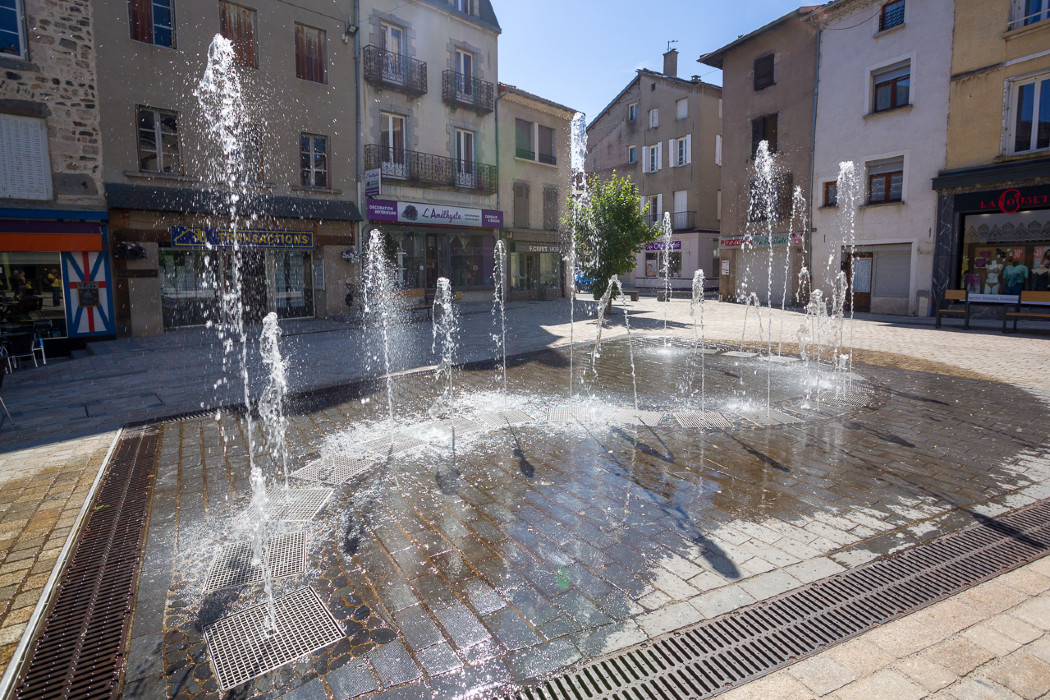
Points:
(609, 229)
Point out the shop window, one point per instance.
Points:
(313, 160)
(470, 260)
(1029, 126)
(159, 141)
(1006, 253)
(189, 288)
(237, 24)
(12, 29)
(886, 181)
(764, 72)
(153, 21)
(550, 208)
(309, 53)
(32, 294)
(23, 140)
(521, 204)
(293, 294)
(891, 15)
(892, 87)
(655, 261)
(764, 128)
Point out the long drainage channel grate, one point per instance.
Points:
(79, 652)
(745, 644)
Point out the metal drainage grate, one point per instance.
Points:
(742, 645)
(769, 417)
(632, 417)
(444, 429)
(501, 419)
(241, 649)
(233, 563)
(298, 504)
(739, 353)
(334, 469)
(393, 443)
(79, 651)
(779, 359)
(561, 414)
(707, 419)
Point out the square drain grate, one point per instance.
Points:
(445, 428)
(394, 443)
(632, 417)
(698, 419)
(739, 353)
(501, 419)
(780, 359)
(334, 469)
(298, 504)
(772, 417)
(561, 414)
(233, 564)
(240, 649)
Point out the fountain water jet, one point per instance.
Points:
(667, 230)
(446, 333)
(271, 403)
(378, 292)
(499, 273)
(698, 301)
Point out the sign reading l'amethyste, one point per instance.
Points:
(433, 214)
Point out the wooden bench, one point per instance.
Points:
(1031, 305)
(416, 300)
(950, 306)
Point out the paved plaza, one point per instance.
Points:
(506, 553)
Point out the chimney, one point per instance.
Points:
(671, 63)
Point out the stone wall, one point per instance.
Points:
(58, 83)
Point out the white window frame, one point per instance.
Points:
(632, 112)
(632, 154)
(680, 151)
(20, 19)
(652, 158)
(1020, 16)
(158, 135)
(1013, 86)
(681, 108)
(654, 117)
(313, 170)
(465, 6)
(26, 173)
(654, 200)
(394, 167)
(718, 150)
(466, 145)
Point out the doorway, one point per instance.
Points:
(858, 274)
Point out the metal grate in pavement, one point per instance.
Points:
(631, 417)
(742, 645)
(241, 649)
(561, 414)
(501, 419)
(298, 504)
(770, 417)
(779, 359)
(233, 563)
(446, 428)
(334, 469)
(698, 419)
(393, 443)
(739, 353)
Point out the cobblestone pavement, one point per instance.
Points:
(53, 451)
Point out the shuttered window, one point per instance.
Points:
(309, 53)
(764, 72)
(764, 129)
(550, 208)
(237, 24)
(886, 180)
(546, 154)
(158, 141)
(26, 171)
(153, 21)
(521, 204)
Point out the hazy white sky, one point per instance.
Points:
(581, 53)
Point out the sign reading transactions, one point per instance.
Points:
(196, 236)
(432, 214)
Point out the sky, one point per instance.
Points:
(582, 53)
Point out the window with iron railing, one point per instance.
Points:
(551, 208)
(546, 151)
(1026, 12)
(892, 15)
(393, 70)
(432, 170)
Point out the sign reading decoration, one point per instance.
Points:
(195, 237)
(432, 215)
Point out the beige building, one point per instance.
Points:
(768, 83)
(534, 177)
(54, 271)
(993, 214)
(428, 137)
(165, 177)
(665, 133)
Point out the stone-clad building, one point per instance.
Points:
(54, 271)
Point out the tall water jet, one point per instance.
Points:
(698, 333)
(271, 402)
(220, 96)
(378, 297)
(848, 198)
(445, 333)
(499, 273)
(765, 202)
(578, 157)
(614, 281)
(798, 213)
(667, 230)
(604, 305)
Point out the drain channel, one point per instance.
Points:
(744, 644)
(79, 652)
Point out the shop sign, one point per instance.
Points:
(373, 182)
(534, 248)
(432, 214)
(761, 241)
(1012, 201)
(87, 294)
(195, 237)
(659, 245)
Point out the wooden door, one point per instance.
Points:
(858, 272)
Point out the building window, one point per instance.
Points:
(465, 6)
(892, 87)
(718, 149)
(546, 154)
(772, 201)
(652, 206)
(892, 15)
(681, 108)
(523, 146)
(1025, 12)
(249, 155)
(654, 118)
(521, 204)
(153, 21)
(653, 157)
(764, 128)
(632, 154)
(681, 151)
(309, 53)
(12, 29)
(764, 72)
(313, 160)
(392, 141)
(237, 24)
(23, 151)
(831, 193)
(632, 111)
(466, 175)
(550, 208)
(464, 76)
(159, 141)
(1030, 121)
(886, 181)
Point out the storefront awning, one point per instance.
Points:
(50, 236)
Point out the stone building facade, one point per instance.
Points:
(54, 270)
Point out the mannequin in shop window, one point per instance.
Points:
(992, 270)
(1015, 274)
(1041, 272)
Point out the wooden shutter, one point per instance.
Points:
(141, 17)
(23, 151)
(309, 53)
(521, 204)
(238, 25)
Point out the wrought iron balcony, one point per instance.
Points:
(429, 170)
(459, 90)
(548, 158)
(683, 220)
(395, 71)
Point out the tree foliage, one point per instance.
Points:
(609, 228)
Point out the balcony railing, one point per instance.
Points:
(524, 153)
(548, 158)
(683, 220)
(459, 90)
(395, 71)
(429, 170)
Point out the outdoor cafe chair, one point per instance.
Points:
(20, 345)
(4, 405)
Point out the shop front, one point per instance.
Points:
(684, 254)
(54, 275)
(535, 270)
(745, 267)
(432, 241)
